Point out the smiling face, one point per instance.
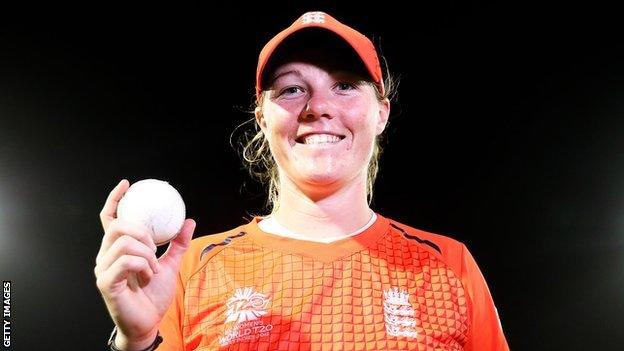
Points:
(321, 120)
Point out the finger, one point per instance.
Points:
(126, 245)
(117, 275)
(119, 227)
(180, 244)
(144, 277)
(109, 211)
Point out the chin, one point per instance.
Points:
(320, 178)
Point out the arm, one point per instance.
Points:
(137, 287)
(486, 333)
(171, 325)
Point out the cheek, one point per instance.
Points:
(278, 133)
(363, 123)
(278, 122)
(364, 128)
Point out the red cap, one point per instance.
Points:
(360, 43)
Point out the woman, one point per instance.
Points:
(322, 271)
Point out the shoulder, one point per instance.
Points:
(444, 247)
(440, 243)
(204, 244)
(202, 248)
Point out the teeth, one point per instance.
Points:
(320, 139)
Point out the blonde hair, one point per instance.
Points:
(256, 154)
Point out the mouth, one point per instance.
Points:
(320, 138)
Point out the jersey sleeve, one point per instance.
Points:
(486, 333)
(171, 325)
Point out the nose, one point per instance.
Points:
(318, 105)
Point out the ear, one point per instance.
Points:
(384, 113)
(260, 118)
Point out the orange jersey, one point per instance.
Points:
(390, 287)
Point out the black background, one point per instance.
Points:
(507, 135)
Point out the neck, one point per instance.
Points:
(335, 213)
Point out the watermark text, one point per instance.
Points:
(6, 314)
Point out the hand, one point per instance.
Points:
(136, 286)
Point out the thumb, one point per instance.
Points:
(180, 244)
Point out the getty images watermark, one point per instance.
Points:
(6, 314)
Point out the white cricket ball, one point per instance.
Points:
(155, 204)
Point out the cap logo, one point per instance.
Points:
(313, 17)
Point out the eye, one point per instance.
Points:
(290, 91)
(346, 86)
